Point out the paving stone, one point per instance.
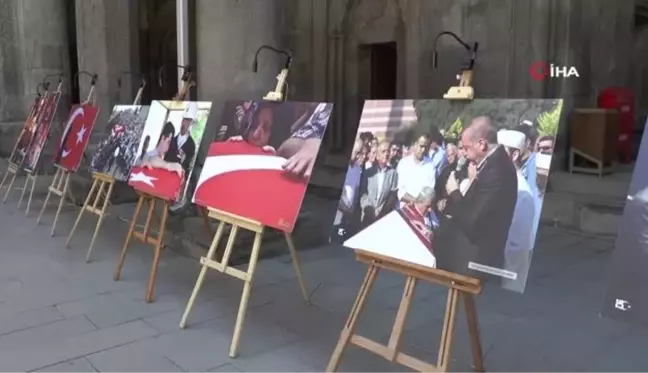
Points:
(226, 368)
(17, 321)
(38, 355)
(77, 365)
(49, 333)
(140, 356)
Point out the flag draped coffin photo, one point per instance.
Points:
(625, 294)
(451, 185)
(117, 151)
(166, 154)
(261, 163)
(74, 140)
(41, 131)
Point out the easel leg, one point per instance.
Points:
(158, 250)
(4, 178)
(85, 205)
(129, 236)
(22, 194)
(473, 329)
(295, 260)
(31, 194)
(11, 183)
(202, 274)
(61, 201)
(401, 317)
(104, 207)
(240, 318)
(445, 345)
(349, 327)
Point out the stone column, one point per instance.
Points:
(229, 32)
(33, 44)
(107, 43)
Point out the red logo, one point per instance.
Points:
(539, 70)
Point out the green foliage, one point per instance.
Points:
(455, 129)
(198, 128)
(452, 116)
(548, 122)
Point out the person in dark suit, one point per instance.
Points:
(476, 224)
(378, 187)
(182, 148)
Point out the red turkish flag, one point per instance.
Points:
(75, 136)
(156, 182)
(244, 180)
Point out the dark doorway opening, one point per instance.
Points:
(383, 71)
(72, 50)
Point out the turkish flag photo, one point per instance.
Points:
(245, 180)
(75, 136)
(157, 182)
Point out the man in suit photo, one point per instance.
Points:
(182, 148)
(477, 228)
(378, 187)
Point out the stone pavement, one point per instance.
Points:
(58, 313)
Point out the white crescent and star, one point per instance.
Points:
(222, 164)
(77, 112)
(143, 178)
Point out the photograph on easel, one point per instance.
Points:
(117, 152)
(167, 149)
(41, 131)
(454, 185)
(625, 298)
(77, 131)
(260, 166)
(22, 143)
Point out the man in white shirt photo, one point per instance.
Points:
(415, 172)
(520, 241)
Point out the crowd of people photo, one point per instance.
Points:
(478, 193)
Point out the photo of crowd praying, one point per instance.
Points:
(476, 171)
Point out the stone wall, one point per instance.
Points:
(595, 36)
(33, 44)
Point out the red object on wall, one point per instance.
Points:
(623, 100)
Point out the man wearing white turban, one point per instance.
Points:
(521, 237)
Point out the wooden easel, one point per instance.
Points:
(12, 167)
(458, 286)
(239, 222)
(145, 235)
(223, 266)
(98, 198)
(32, 175)
(60, 186)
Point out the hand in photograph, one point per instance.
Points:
(265, 148)
(157, 162)
(452, 184)
(302, 162)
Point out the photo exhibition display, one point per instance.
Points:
(118, 150)
(22, 144)
(260, 165)
(166, 154)
(625, 298)
(451, 185)
(41, 131)
(77, 131)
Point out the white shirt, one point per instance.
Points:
(522, 231)
(413, 177)
(182, 139)
(381, 179)
(350, 188)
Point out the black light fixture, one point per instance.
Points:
(471, 49)
(186, 73)
(93, 77)
(285, 52)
